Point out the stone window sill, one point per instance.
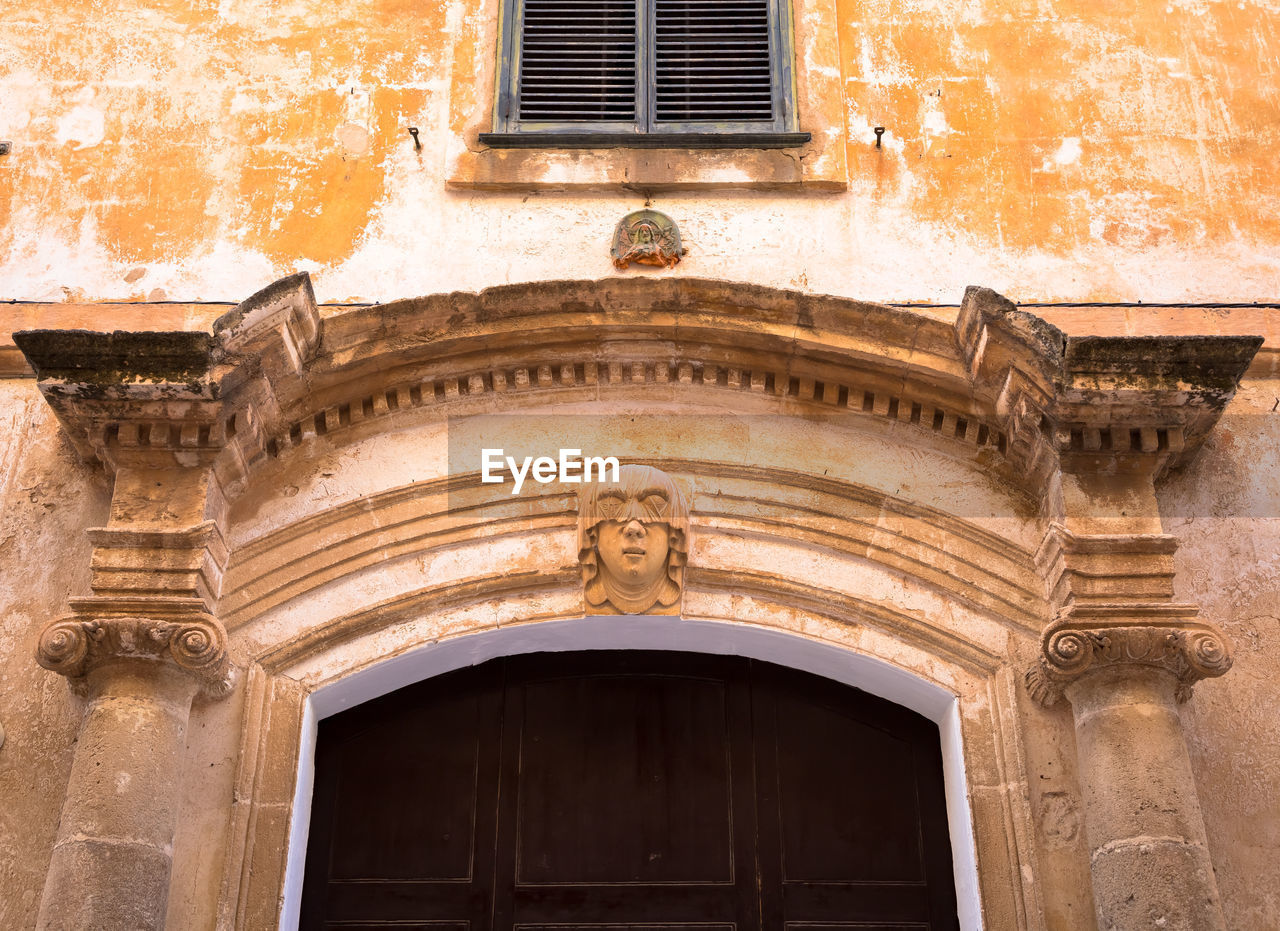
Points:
(628, 168)
(589, 140)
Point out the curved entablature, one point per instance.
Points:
(771, 547)
(1007, 389)
(958, 559)
(423, 615)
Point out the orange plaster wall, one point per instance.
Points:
(157, 132)
(1124, 125)
(1064, 151)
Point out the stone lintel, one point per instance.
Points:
(1088, 638)
(104, 631)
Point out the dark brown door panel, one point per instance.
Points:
(628, 791)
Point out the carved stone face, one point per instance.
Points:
(633, 541)
(633, 553)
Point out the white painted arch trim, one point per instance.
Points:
(649, 633)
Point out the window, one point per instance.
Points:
(594, 73)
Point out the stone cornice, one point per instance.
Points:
(179, 398)
(1096, 403)
(104, 631)
(1164, 636)
(273, 375)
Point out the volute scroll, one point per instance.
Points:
(197, 644)
(1171, 638)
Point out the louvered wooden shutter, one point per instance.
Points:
(712, 61)
(578, 61)
(646, 73)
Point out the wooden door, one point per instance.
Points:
(609, 791)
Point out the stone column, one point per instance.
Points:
(178, 420)
(1124, 671)
(111, 860)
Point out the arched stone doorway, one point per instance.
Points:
(655, 789)
(282, 733)
(955, 503)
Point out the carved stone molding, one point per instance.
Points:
(1164, 636)
(195, 642)
(186, 563)
(1095, 403)
(1106, 568)
(157, 399)
(274, 374)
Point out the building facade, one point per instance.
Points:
(950, 386)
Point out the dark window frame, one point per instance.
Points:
(646, 131)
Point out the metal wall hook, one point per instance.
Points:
(879, 131)
(413, 131)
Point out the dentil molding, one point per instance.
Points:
(999, 383)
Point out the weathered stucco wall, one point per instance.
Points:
(1225, 510)
(48, 497)
(1051, 151)
(327, 531)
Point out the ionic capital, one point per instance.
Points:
(1163, 636)
(195, 643)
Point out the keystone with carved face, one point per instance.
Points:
(633, 542)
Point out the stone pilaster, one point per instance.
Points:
(178, 420)
(112, 857)
(1124, 668)
(1148, 853)
(140, 649)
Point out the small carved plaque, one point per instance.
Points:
(1059, 819)
(648, 238)
(633, 542)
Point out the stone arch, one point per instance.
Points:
(899, 598)
(938, 635)
(287, 697)
(229, 548)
